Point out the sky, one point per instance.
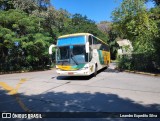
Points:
(96, 10)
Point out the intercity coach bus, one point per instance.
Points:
(80, 54)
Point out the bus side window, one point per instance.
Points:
(107, 48)
(90, 40)
(94, 41)
(102, 47)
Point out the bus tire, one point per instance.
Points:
(95, 70)
(107, 64)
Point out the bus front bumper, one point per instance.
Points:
(73, 73)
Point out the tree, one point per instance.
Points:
(82, 24)
(155, 15)
(28, 27)
(135, 23)
(107, 28)
(23, 42)
(113, 36)
(6, 4)
(27, 6)
(157, 2)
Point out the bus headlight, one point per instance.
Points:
(84, 68)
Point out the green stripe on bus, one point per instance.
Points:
(79, 66)
(101, 58)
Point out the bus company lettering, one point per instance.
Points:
(28, 116)
(34, 116)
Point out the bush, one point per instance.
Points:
(138, 62)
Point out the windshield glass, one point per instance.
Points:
(63, 55)
(72, 55)
(77, 40)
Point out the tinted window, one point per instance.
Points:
(71, 41)
(94, 40)
(90, 40)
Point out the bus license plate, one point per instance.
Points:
(70, 73)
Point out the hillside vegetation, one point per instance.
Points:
(28, 27)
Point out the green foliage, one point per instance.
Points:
(81, 24)
(124, 62)
(27, 6)
(155, 14)
(28, 27)
(157, 2)
(138, 62)
(113, 43)
(23, 42)
(107, 28)
(134, 22)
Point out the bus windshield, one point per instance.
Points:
(71, 55)
(77, 40)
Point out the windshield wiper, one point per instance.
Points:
(74, 59)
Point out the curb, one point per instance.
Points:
(15, 72)
(143, 73)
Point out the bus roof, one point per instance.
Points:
(80, 34)
(72, 35)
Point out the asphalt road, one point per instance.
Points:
(109, 91)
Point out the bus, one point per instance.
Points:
(80, 54)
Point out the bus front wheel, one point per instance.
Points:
(95, 71)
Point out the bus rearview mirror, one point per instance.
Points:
(50, 48)
(87, 47)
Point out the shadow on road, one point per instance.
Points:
(77, 78)
(73, 102)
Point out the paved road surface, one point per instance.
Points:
(109, 91)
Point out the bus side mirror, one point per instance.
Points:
(87, 47)
(50, 48)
